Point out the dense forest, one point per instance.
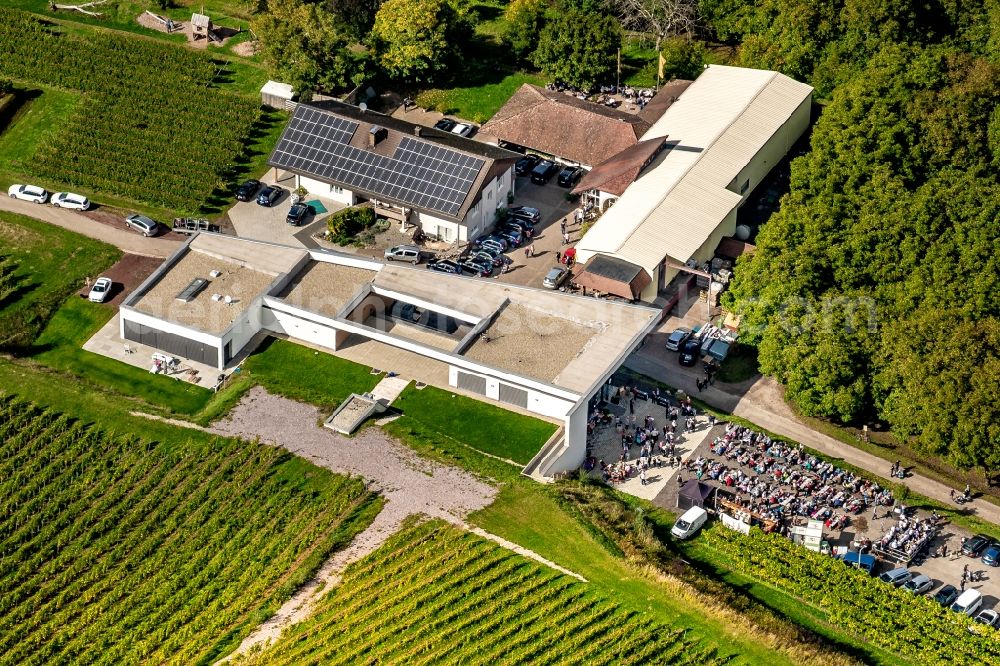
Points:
(874, 290)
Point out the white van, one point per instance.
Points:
(968, 602)
(690, 522)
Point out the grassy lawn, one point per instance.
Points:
(121, 14)
(482, 426)
(52, 263)
(477, 103)
(639, 63)
(301, 373)
(25, 124)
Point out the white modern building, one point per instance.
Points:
(720, 138)
(448, 185)
(541, 351)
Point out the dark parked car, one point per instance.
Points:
(269, 196)
(946, 595)
(510, 226)
(247, 190)
(445, 124)
(526, 213)
(570, 176)
(297, 214)
(524, 165)
(525, 227)
(484, 255)
(445, 266)
(977, 544)
(473, 267)
(513, 236)
(543, 172)
(690, 351)
(491, 240)
(991, 556)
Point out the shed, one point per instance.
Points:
(201, 25)
(809, 535)
(276, 95)
(694, 493)
(612, 275)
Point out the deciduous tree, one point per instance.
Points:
(416, 40)
(579, 48)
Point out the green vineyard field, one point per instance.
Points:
(114, 550)
(893, 619)
(149, 128)
(436, 594)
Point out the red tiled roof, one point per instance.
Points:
(618, 172)
(558, 124)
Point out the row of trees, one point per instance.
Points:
(874, 289)
(335, 44)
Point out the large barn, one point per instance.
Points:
(720, 138)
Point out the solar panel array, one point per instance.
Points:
(419, 173)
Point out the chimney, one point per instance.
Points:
(376, 134)
(417, 131)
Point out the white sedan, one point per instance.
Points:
(99, 292)
(70, 200)
(462, 129)
(28, 193)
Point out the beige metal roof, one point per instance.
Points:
(716, 127)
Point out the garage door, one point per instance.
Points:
(473, 383)
(513, 395)
(171, 343)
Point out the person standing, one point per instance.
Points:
(642, 476)
(565, 238)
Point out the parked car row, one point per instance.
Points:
(39, 195)
(454, 127)
(541, 171)
(968, 602)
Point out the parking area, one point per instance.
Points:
(251, 220)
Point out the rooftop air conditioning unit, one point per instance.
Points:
(215, 274)
(216, 297)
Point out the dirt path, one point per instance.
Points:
(126, 240)
(762, 403)
(409, 483)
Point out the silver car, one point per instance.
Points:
(555, 277)
(678, 338)
(142, 224)
(410, 253)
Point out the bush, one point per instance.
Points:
(6, 87)
(343, 225)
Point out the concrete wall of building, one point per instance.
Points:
(242, 331)
(538, 402)
(575, 450)
(129, 314)
(772, 152)
(326, 191)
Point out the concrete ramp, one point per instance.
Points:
(353, 412)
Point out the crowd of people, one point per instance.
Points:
(906, 537)
(644, 443)
(779, 482)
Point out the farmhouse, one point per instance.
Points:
(541, 351)
(691, 171)
(449, 186)
(554, 124)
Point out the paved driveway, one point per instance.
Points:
(551, 201)
(123, 238)
(268, 224)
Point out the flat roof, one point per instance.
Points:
(560, 339)
(242, 284)
(531, 342)
(324, 287)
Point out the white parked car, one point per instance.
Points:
(31, 193)
(99, 292)
(70, 200)
(462, 129)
